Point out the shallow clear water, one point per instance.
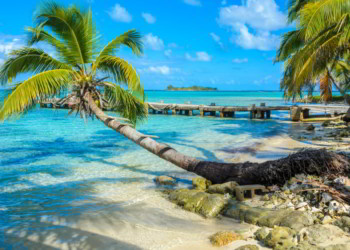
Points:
(61, 177)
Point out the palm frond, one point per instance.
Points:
(37, 35)
(291, 42)
(131, 39)
(317, 16)
(125, 103)
(73, 27)
(294, 7)
(39, 86)
(26, 60)
(122, 71)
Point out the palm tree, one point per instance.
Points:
(313, 51)
(81, 70)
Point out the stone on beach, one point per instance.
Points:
(224, 238)
(208, 205)
(200, 183)
(248, 247)
(228, 187)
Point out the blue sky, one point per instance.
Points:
(228, 44)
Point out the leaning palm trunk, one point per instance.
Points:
(315, 162)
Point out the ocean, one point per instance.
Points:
(69, 184)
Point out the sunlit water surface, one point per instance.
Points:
(69, 184)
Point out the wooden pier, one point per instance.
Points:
(256, 112)
(297, 113)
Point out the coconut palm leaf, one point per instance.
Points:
(291, 42)
(73, 27)
(121, 71)
(294, 7)
(37, 35)
(26, 60)
(41, 85)
(318, 15)
(125, 103)
(131, 39)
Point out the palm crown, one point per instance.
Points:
(78, 66)
(319, 45)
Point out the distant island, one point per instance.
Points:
(193, 88)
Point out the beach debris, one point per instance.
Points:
(165, 180)
(200, 183)
(224, 238)
(251, 189)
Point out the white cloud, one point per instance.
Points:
(148, 18)
(258, 14)
(193, 2)
(9, 43)
(120, 14)
(200, 56)
(153, 42)
(168, 52)
(252, 23)
(240, 60)
(163, 70)
(216, 38)
(173, 45)
(262, 40)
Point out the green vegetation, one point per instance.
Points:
(79, 67)
(193, 88)
(319, 99)
(318, 50)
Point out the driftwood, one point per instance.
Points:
(319, 162)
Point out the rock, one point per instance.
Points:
(344, 223)
(248, 247)
(165, 180)
(305, 246)
(224, 238)
(297, 220)
(321, 234)
(310, 128)
(327, 219)
(200, 183)
(261, 233)
(196, 201)
(326, 197)
(208, 205)
(338, 247)
(301, 205)
(212, 206)
(181, 196)
(265, 217)
(280, 238)
(228, 187)
(273, 217)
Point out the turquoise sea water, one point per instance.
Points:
(56, 171)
